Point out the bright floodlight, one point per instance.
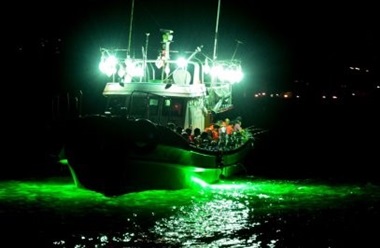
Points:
(108, 65)
(181, 62)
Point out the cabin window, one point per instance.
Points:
(144, 106)
(173, 107)
(153, 102)
(153, 107)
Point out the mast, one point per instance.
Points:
(216, 31)
(145, 54)
(130, 29)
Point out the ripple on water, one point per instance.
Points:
(248, 212)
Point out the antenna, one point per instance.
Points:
(130, 28)
(145, 54)
(216, 31)
(146, 45)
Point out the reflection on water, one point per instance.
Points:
(247, 212)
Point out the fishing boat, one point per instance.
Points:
(132, 145)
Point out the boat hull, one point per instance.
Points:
(104, 155)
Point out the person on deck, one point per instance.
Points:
(195, 136)
(228, 126)
(213, 130)
(238, 125)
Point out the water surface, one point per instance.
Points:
(244, 212)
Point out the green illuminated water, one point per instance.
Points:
(246, 212)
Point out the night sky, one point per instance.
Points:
(282, 41)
